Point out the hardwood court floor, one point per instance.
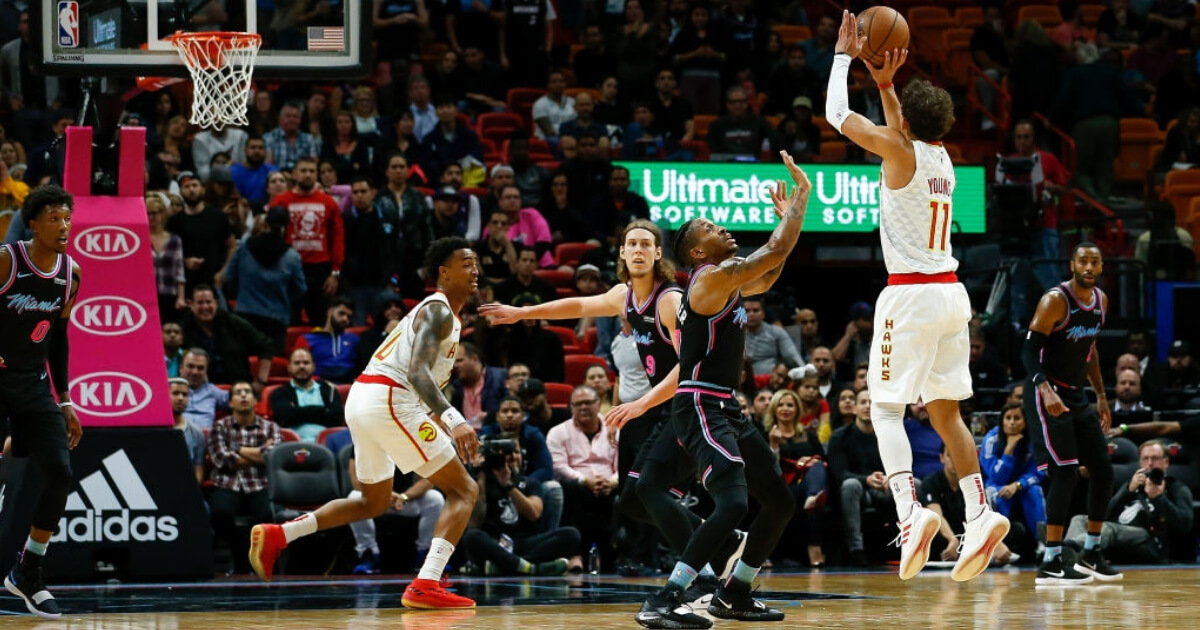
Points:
(1148, 598)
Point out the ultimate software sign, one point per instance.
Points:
(845, 197)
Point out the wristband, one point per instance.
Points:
(884, 86)
(842, 53)
(404, 497)
(1124, 429)
(452, 418)
(66, 404)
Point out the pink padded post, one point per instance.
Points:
(131, 181)
(77, 167)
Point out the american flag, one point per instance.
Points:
(326, 38)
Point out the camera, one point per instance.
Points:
(496, 451)
(1155, 475)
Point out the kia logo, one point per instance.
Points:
(108, 315)
(110, 394)
(107, 242)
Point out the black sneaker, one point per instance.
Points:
(735, 601)
(666, 609)
(1093, 563)
(1056, 572)
(25, 581)
(699, 595)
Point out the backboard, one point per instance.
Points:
(306, 39)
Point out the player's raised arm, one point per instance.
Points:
(433, 325)
(607, 304)
(886, 141)
(892, 60)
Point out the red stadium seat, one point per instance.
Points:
(558, 394)
(569, 340)
(324, 435)
(570, 253)
(577, 366)
(289, 435)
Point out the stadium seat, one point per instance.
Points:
(925, 27)
(289, 435)
(792, 33)
(279, 365)
(701, 125)
(1124, 456)
(574, 92)
(557, 279)
(956, 57)
(1046, 15)
(301, 476)
(345, 483)
(577, 366)
(520, 102)
(969, 17)
(498, 126)
(1138, 135)
(698, 148)
(344, 390)
(569, 340)
(590, 338)
(324, 434)
(263, 408)
(294, 333)
(1091, 14)
(833, 152)
(571, 253)
(558, 394)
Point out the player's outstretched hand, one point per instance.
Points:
(500, 313)
(466, 442)
(799, 177)
(892, 60)
(849, 41)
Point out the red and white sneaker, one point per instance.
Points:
(266, 541)
(979, 542)
(428, 594)
(915, 535)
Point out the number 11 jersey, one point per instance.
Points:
(915, 221)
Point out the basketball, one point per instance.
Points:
(885, 29)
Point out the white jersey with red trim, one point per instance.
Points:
(915, 221)
(393, 356)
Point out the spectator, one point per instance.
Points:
(553, 109)
(501, 175)
(1119, 27)
(797, 446)
(478, 389)
(635, 57)
(855, 345)
(267, 277)
(193, 436)
(799, 135)
(447, 79)
(672, 113)
(773, 58)
(926, 443)
(483, 82)
(940, 493)
(263, 116)
(204, 398)
(1146, 515)
(167, 250)
(1090, 103)
(766, 345)
(497, 255)
(524, 281)
(452, 217)
(608, 111)
(1178, 372)
(518, 373)
(813, 409)
(792, 81)
(389, 309)
(526, 226)
(410, 206)
(533, 345)
(316, 119)
(538, 412)
(334, 350)
(510, 504)
(643, 138)
(612, 211)
(449, 142)
(530, 178)
(986, 371)
(373, 234)
(584, 123)
(173, 347)
(827, 384)
(740, 131)
(746, 32)
(250, 176)
(402, 141)
(238, 446)
(286, 144)
(1182, 145)
(1126, 361)
(588, 173)
(699, 52)
(174, 143)
(585, 463)
(208, 242)
(423, 111)
(989, 52)
(316, 233)
(351, 154)
(208, 143)
(1154, 57)
(1071, 30)
(845, 410)
(1035, 71)
(1129, 393)
(857, 471)
(596, 377)
(1010, 470)
(819, 49)
(228, 339)
(805, 333)
(397, 34)
(596, 60)
(13, 191)
(526, 38)
(305, 405)
(568, 222)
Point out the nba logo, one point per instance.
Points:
(68, 24)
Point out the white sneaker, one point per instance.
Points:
(979, 541)
(915, 535)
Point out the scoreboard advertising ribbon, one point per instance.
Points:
(118, 374)
(845, 197)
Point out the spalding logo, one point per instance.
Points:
(427, 432)
(107, 242)
(108, 315)
(110, 394)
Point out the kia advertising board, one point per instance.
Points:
(118, 376)
(845, 197)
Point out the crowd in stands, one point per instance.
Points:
(286, 251)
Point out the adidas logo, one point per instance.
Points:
(106, 519)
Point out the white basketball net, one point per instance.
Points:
(221, 65)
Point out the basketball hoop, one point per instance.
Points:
(221, 64)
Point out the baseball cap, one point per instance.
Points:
(861, 310)
(587, 269)
(802, 101)
(220, 173)
(526, 298)
(446, 194)
(532, 387)
(184, 177)
(500, 168)
(1179, 348)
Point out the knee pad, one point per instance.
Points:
(887, 413)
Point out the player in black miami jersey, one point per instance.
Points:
(38, 285)
(1061, 359)
(649, 299)
(732, 457)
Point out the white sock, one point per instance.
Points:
(440, 551)
(904, 491)
(973, 496)
(300, 527)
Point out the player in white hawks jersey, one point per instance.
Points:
(920, 348)
(399, 417)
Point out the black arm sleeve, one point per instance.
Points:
(1031, 356)
(59, 351)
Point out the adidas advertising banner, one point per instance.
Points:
(118, 376)
(736, 195)
(135, 513)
